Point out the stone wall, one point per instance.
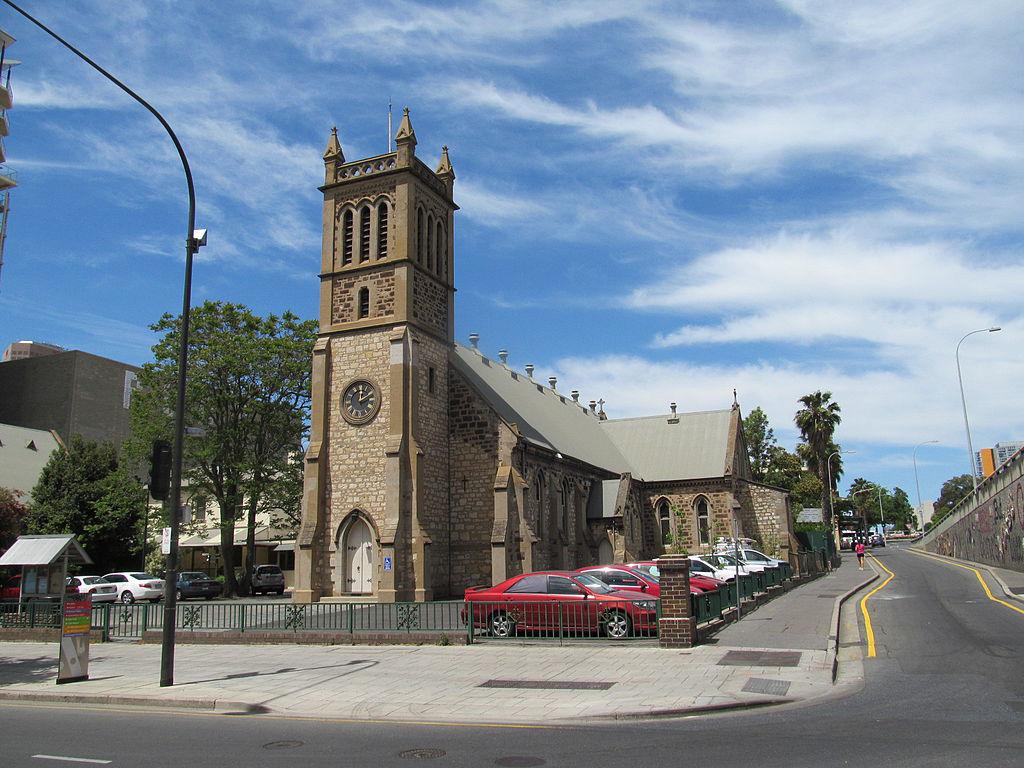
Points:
(765, 517)
(345, 295)
(474, 460)
(682, 498)
(990, 529)
(355, 478)
(430, 302)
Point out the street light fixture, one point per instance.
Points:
(917, 482)
(194, 239)
(963, 400)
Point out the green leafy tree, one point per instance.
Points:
(784, 469)
(249, 390)
(761, 445)
(953, 492)
(84, 491)
(12, 518)
(901, 512)
(807, 490)
(817, 420)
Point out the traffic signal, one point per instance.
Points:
(160, 470)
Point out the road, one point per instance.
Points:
(946, 688)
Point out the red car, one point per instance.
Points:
(573, 604)
(630, 579)
(697, 581)
(11, 589)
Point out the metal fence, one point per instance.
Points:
(569, 619)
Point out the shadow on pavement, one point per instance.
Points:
(27, 670)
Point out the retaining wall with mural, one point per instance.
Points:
(987, 527)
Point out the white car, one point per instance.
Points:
(755, 560)
(133, 585)
(102, 591)
(715, 566)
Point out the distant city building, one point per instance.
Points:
(925, 513)
(988, 460)
(19, 350)
(23, 454)
(69, 392)
(8, 179)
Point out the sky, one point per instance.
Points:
(660, 201)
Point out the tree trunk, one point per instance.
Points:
(250, 546)
(228, 512)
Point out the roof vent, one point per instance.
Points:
(503, 356)
(673, 407)
(673, 419)
(593, 405)
(474, 339)
(552, 381)
(529, 369)
(575, 395)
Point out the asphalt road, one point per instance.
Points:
(946, 689)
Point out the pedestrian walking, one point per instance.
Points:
(859, 549)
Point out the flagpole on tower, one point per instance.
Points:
(389, 124)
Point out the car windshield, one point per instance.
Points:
(141, 576)
(650, 570)
(593, 583)
(268, 569)
(93, 580)
(721, 561)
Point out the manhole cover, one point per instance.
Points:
(770, 687)
(760, 659)
(519, 761)
(287, 744)
(422, 754)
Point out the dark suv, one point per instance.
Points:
(267, 578)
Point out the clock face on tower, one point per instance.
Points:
(360, 402)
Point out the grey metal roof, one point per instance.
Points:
(23, 454)
(543, 416)
(44, 550)
(692, 447)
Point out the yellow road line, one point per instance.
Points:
(864, 608)
(976, 572)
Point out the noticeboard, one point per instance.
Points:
(73, 664)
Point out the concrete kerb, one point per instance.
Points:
(837, 606)
(980, 566)
(208, 705)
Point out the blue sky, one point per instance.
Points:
(661, 201)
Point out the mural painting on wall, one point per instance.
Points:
(993, 533)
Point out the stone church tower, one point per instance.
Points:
(375, 500)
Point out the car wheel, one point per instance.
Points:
(127, 597)
(501, 624)
(616, 625)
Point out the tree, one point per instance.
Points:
(249, 390)
(902, 511)
(12, 518)
(784, 469)
(953, 492)
(84, 491)
(760, 439)
(817, 421)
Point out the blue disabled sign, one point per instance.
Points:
(387, 563)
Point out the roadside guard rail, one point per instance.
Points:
(568, 619)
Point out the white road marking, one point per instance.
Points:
(72, 759)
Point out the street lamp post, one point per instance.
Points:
(194, 239)
(917, 482)
(963, 400)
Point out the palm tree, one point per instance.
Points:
(817, 421)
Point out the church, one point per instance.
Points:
(433, 466)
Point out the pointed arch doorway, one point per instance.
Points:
(356, 547)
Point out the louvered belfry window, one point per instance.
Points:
(346, 226)
(364, 233)
(382, 231)
(364, 303)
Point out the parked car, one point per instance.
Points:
(698, 581)
(548, 601)
(716, 566)
(196, 584)
(877, 540)
(132, 586)
(753, 556)
(11, 589)
(628, 579)
(267, 578)
(102, 591)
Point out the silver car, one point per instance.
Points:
(102, 591)
(267, 578)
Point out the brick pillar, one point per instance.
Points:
(677, 628)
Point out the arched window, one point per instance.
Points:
(419, 235)
(702, 508)
(538, 494)
(364, 303)
(442, 266)
(346, 228)
(382, 231)
(563, 507)
(665, 519)
(430, 243)
(364, 233)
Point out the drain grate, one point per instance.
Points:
(549, 685)
(428, 753)
(760, 659)
(519, 761)
(764, 685)
(286, 744)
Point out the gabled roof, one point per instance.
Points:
(543, 416)
(688, 446)
(44, 550)
(23, 454)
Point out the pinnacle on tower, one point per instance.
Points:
(444, 167)
(405, 140)
(333, 151)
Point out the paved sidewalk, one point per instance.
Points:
(486, 683)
